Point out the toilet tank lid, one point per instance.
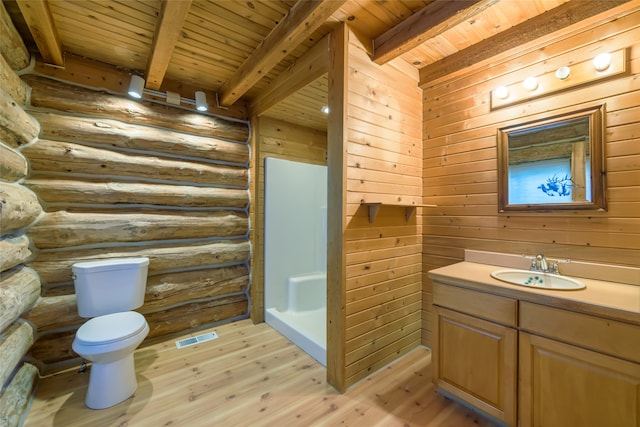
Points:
(110, 264)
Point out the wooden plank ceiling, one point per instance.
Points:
(238, 49)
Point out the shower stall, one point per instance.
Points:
(295, 253)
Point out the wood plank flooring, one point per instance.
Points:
(252, 376)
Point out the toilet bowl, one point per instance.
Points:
(106, 292)
(108, 342)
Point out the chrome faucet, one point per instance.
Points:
(540, 263)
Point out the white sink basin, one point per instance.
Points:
(535, 279)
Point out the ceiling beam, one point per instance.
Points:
(304, 71)
(430, 21)
(553, 20)
(170, 22)
(37, 16)
(305, 17)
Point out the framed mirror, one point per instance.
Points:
(554, 163)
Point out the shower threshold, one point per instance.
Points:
(306, 329)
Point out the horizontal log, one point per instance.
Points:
(63, 127)
(19, 207)
(11, 82)
(14, 251)
(13, 165)
(62, 229)
(15, 341)
(66, 192)
(16, 126)
(54, 350)
(163, 291)
(15, 399)
(19, 290)
(55, 266)
(54, 313)
(198, 315)
(67, 157)
(166, 290)
(50, 94)
(12, 47)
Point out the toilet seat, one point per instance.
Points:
(110, 328)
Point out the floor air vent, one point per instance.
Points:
(196, 340)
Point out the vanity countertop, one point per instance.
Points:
(609, 299)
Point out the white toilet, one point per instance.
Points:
(106, 291)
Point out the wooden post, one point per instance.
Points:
(336, 202)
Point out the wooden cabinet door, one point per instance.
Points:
(563, 385)
(475, 360)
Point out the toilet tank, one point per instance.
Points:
(110, 286)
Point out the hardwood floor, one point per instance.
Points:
(252, 376)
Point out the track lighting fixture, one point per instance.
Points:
(137, 90)
(136, 86)
(201, 101)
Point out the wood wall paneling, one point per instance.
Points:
(383, 259)
(460, 168)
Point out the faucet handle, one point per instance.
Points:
(555, 264)
(531, 258)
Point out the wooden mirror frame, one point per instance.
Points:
(595, 116)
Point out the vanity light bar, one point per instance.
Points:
(603, 66)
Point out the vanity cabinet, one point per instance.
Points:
(530, 364)
(475, 356)
(577, 369)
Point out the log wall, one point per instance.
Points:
(120, 178)
(383, 270)
(282, 140)
(19, 208)
(460, 150)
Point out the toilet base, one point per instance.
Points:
(111, 383)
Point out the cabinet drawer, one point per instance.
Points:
(602, 335)
(486, 306)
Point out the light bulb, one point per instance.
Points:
(530, 83)
(563, 73)
(502, 92)
(602, 61)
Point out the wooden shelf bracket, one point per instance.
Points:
(374, 208)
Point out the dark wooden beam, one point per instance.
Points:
(432, 20)
(567, 14)
(303, 19)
